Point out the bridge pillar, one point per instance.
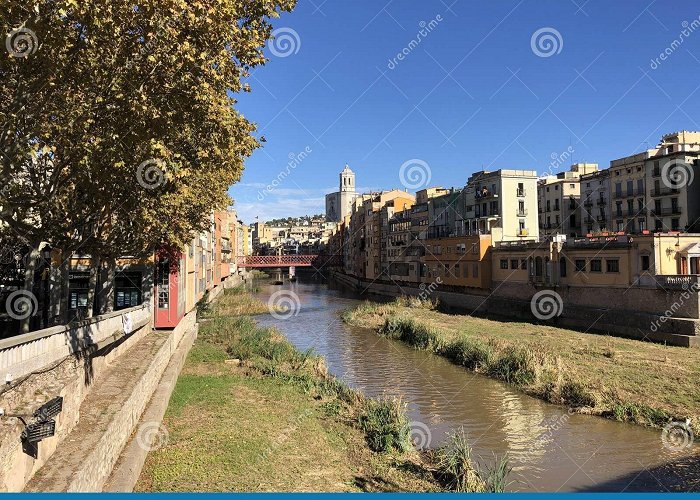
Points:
(292, 271)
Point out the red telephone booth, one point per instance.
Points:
(169, 290)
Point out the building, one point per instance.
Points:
(595, 202)
(628, 185)
(458, 261)
(559, 198)
(673, 195)
(502, 203)
(339, 204)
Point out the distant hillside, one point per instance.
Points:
(297, 221)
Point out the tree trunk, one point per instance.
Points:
(107, 294)
(92, 285)
(27, 307)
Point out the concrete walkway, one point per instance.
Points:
(108, 415)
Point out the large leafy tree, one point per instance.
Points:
(118, 126)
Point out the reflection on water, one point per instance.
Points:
(550, 449)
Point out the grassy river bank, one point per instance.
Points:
(621, 379)
(250, 412)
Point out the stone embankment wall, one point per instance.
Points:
(643, 313)
(67, 361)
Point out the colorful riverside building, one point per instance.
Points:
(183, 278)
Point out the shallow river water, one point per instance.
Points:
(549, 449)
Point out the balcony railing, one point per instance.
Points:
(520, 192)
(655, 193)
(601, 218)
(588, 203)
(522, 212)
(602, 202)
(630, 193)
(656, 172)
(666, 211)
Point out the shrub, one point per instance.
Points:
(515, 366)
(412, 332)
(455, 463)
(575, 395)
(386, 425)
(468, 352)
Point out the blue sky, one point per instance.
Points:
(477, 91)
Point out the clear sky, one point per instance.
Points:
(487, 85)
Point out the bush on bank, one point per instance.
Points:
(534, 366)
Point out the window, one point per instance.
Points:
(504, 263)
(613, 265)
(580, 265)
(523, 265)
(562, 267)
(596, 266)
(645, 262)
(513, 263)
(675, 224)
(475, 270)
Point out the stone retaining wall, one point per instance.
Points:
(585, 308)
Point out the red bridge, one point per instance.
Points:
(316, 261)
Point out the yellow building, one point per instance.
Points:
(501, 203)
(461, 261)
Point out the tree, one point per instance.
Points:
(118, 126)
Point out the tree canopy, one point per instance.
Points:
(118, 125)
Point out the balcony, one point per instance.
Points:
(485, 194)
(602, 202)
(523, 232)
(664, 191)
(588, 203)
(601, 218)
(666, 211)
(629, 194)
(656, 172)
(589, 220)
(520, 192)
(521, 212)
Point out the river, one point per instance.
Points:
(549, 449)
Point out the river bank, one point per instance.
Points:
(621, 379)
(252, 413)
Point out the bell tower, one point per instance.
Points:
(347, 180)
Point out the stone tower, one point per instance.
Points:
(339, 204)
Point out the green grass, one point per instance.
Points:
(275, 421)
(623, 379)
(386, 425)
